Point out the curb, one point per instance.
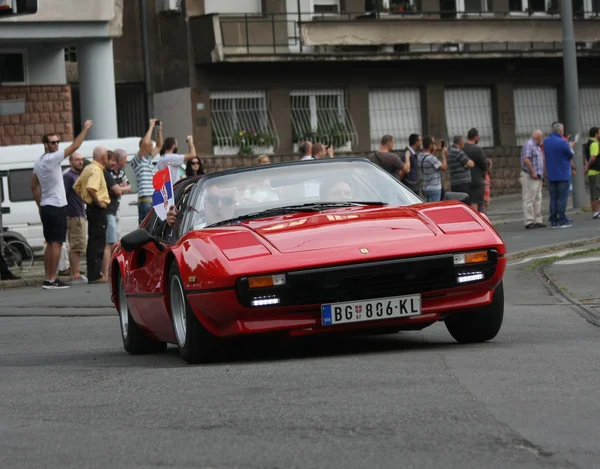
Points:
(554, 289)
(33, 281)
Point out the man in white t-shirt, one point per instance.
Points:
(175, 160)
(48, 188)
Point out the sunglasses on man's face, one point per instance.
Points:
(53, 142)
(215, 199)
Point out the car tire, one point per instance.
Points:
(478, 325)
(195, 343)
(135, 340)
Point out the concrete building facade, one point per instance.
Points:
(33, 68)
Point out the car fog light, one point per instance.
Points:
(265, 301)
(470, 277)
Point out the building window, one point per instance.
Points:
(396, 113)
(589, 106)
(13, 68)
(71, 54)
(241, 123)
(326, 6)
(535, 108)
(545, 7)
(321, 116)
(467, 108)
(473, 6)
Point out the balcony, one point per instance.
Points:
(412, 32)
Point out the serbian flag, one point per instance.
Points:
(162, 198)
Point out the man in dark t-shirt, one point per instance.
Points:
(76, 220)
(479, 169)
(384, 158)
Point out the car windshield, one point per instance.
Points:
(288, 188)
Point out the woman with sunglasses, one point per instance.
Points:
(194, 168)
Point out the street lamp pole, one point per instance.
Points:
(573, 123)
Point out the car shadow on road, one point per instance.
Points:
(260, 350)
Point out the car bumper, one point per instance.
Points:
(221, 313)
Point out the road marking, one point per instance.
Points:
(577, 261)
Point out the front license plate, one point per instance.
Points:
(371, 310)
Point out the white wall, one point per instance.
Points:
(232, 6)
(174, 109)
(46, 66)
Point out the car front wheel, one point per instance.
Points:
(478, 325)
(196, 344)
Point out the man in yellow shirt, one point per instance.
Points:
(91, 187)
(591, 149)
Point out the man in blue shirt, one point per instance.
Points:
(558, 154)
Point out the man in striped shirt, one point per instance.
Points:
(430, 167)
(144, 170)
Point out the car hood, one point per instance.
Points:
(361, 226)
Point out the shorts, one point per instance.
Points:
(594, 187)
(76, 227)
(54, 222)
(476, 195)
(111, 228)
(464, 188)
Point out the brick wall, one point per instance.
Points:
(506, 166)
(47, 109)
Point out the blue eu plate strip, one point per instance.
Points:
(326, 315)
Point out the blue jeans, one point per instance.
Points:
(143, 210)
(433, 196)
(559, 194)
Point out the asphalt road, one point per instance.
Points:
(72, 398)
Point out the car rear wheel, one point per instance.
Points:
(196, 344)
(135, 341)
(479, 325)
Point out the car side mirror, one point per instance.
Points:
(460, 196)
(138, 238)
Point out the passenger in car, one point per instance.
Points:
(335, 190)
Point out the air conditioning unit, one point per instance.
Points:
(169, 6)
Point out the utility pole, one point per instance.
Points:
(573, 118)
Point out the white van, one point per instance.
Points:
(15, 188)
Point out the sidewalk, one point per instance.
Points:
(509, 209)
(505, 213)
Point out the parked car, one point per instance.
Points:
(302, 248)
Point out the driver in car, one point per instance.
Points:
(219, 204)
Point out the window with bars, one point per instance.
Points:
(241, 123)
(535, 108)
(589, 108)
(71, 54)
(321, 116)
(467, 108)
(396, 113)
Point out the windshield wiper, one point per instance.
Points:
(308, 207)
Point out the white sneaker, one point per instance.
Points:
(80, 279)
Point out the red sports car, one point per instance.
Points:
(301, 248)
